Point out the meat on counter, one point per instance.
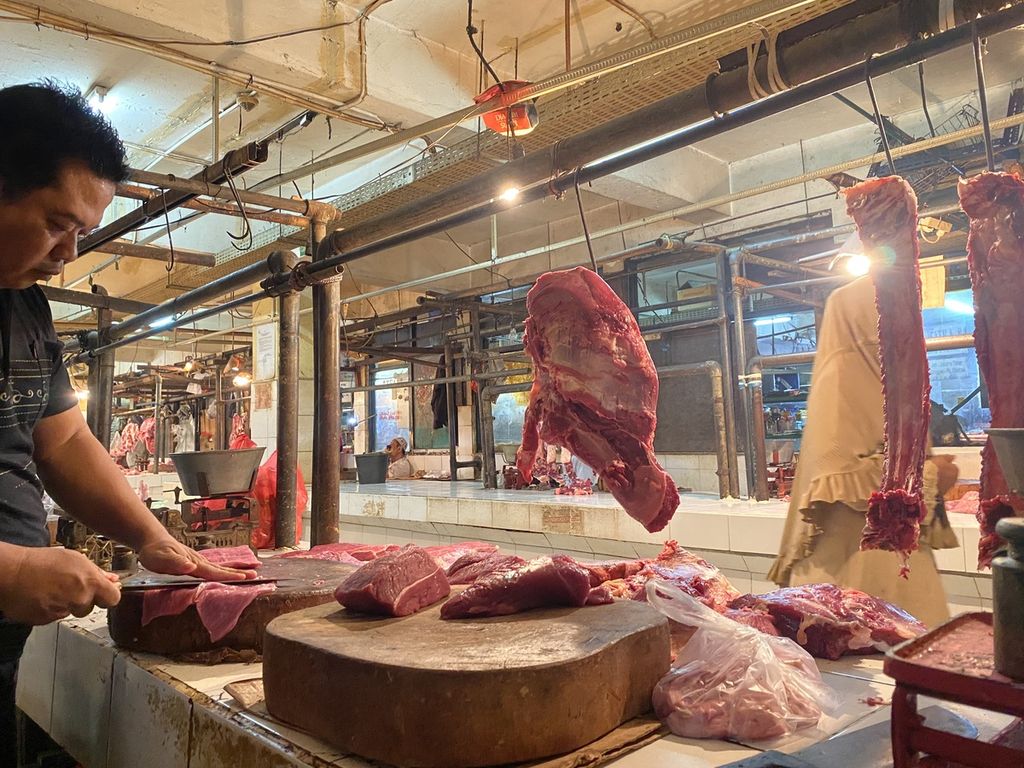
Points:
(475, 565)
(396, 584)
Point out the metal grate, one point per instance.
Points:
(561, 115)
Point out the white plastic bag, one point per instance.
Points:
(731, 681)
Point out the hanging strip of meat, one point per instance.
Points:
(995, 254)
(595, 391)
(885, 211)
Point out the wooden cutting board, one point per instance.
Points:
(303, 583)
(419, 691)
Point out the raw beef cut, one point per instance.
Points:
(731, 682)
(345, 552)
(995, 255)
(398, 584)
(692, 574)
(595, 391)
(475, 565)
(885, 211)
(829, 621)
(541, 583)
(219, 605)
(612, 570)
(232, 557)
(446, 554)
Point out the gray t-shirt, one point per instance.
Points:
(33, 385)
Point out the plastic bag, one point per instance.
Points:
(240, 441)
(265, 493)
(733, 682)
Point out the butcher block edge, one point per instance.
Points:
(304, 583)
(425, 693)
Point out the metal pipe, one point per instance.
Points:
(763, 261)
(760, 441)
(472, 357)
(303, 98)
(725, 349)
(654, 128)
(95, 300)
(667, 44)
(453, 421)
(241, 278)
(158, 395)
(567, 20)
(287, 410)
(209, 205)
(460, 379)
(215, 118)
(232, 164)
(741, 364)
(219, 191)
(326, 503)
(195, 317)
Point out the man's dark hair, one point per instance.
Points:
(45, 125)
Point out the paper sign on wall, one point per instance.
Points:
(933, 284)
(264, 352)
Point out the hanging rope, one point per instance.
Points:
(583, 218)
(979, 67)
(878, 115)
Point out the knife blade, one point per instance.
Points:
(132, 585)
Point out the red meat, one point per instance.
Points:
(541, 583)
(995, 254)
(447, 554)
(475, 565)
(344, 552)
(219, 605)
(612, 570)
(885, 211)
(829, 621)
(595, 391)
(232, 557)
(398, 584)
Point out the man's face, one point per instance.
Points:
(394, 449)
(39, 231)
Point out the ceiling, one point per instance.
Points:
(419, 66)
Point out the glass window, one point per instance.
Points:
(955, 377)
(508, 413)
(392, 407)
(425, 436)
(785, 334)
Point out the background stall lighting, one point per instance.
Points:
(510, 195)
(857, 264)
(762, 321)
(101, 100)
(242, 380)
(82, 395)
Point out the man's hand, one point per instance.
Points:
(46, 584)
(168, 555)
(948, 472)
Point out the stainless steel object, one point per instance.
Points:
(214, 473)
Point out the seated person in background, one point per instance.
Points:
(399, 468)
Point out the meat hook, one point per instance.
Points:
(878, 114)
(979, 67)
(583, 218)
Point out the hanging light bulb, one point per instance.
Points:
(242, 380)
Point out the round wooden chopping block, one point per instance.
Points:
(426, 693)
(304, 583)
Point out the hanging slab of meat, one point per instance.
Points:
(232, 557)
(995, 255)
(885, 211)
(213, 616)
(475, 565)
(541, 583)
(395, 585)
(829, 621)
(595, 391)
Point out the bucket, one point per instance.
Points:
(372, 468)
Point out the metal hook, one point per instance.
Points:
(982, 97)
(583, 218)
(878, 114)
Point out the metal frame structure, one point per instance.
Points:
(591, 154)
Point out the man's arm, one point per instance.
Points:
(80, 476)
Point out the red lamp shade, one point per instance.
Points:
(522, 117)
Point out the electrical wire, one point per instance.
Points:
(878, 115)
(583, 220)
(494, 273)
(170, 240)
(470, 32)
(246, 226)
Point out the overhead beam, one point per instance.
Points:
(136, 192)
(234, 163)
(156, 253)
(96, 301)
(214, 189)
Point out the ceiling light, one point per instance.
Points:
(82, 395)
(101, 100)
(857, 264)
(162, 322)
(772, 320)
(242, 380)
(510, 195)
